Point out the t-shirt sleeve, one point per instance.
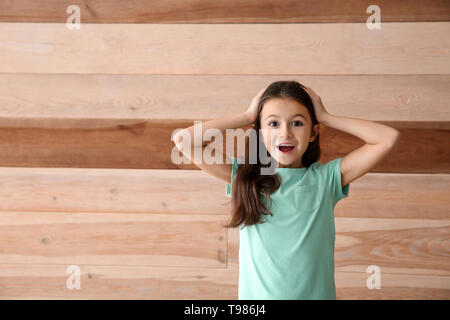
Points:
(228, 186)
(334, 178)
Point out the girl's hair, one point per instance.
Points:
(249, 185)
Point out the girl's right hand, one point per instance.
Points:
(252, 111)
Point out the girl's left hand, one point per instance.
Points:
(319, 109)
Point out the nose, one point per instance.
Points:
(284, 132)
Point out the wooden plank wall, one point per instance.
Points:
(86, 118)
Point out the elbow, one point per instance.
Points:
(394, 138)
(177, 139)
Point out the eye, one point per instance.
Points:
(300, 123)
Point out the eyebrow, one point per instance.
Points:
(274, 115)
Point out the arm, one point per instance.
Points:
(380, 139)
(230, 122)
(221, 170)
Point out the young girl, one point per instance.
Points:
(286, 219)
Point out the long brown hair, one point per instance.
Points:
(249, 186)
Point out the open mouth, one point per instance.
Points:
(286, 148)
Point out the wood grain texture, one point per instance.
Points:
(18, 281)
(163, 240)
(413, 255)
(86, 118)
(111, 190)
(398, 196)
(396, 245)
(48, 97)
(312, 48)
(352, 285)
(223, 11)
(147, 144)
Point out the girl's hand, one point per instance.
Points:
(319, 109)
(252, 111)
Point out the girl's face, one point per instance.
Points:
(286, 121)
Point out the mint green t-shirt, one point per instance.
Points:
(291, 255)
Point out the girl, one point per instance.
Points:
(286, 220)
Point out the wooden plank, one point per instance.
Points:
(311, 48)
(209, 11)
(344, 240)
(399, 196)
(26, 97)
(404, 280)
(397, 246)
(412, 254)
(146, 144)
(433, 144)
(111, 190)
(19, 281)
(168, 240)
(352, 285)
(394, 243)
